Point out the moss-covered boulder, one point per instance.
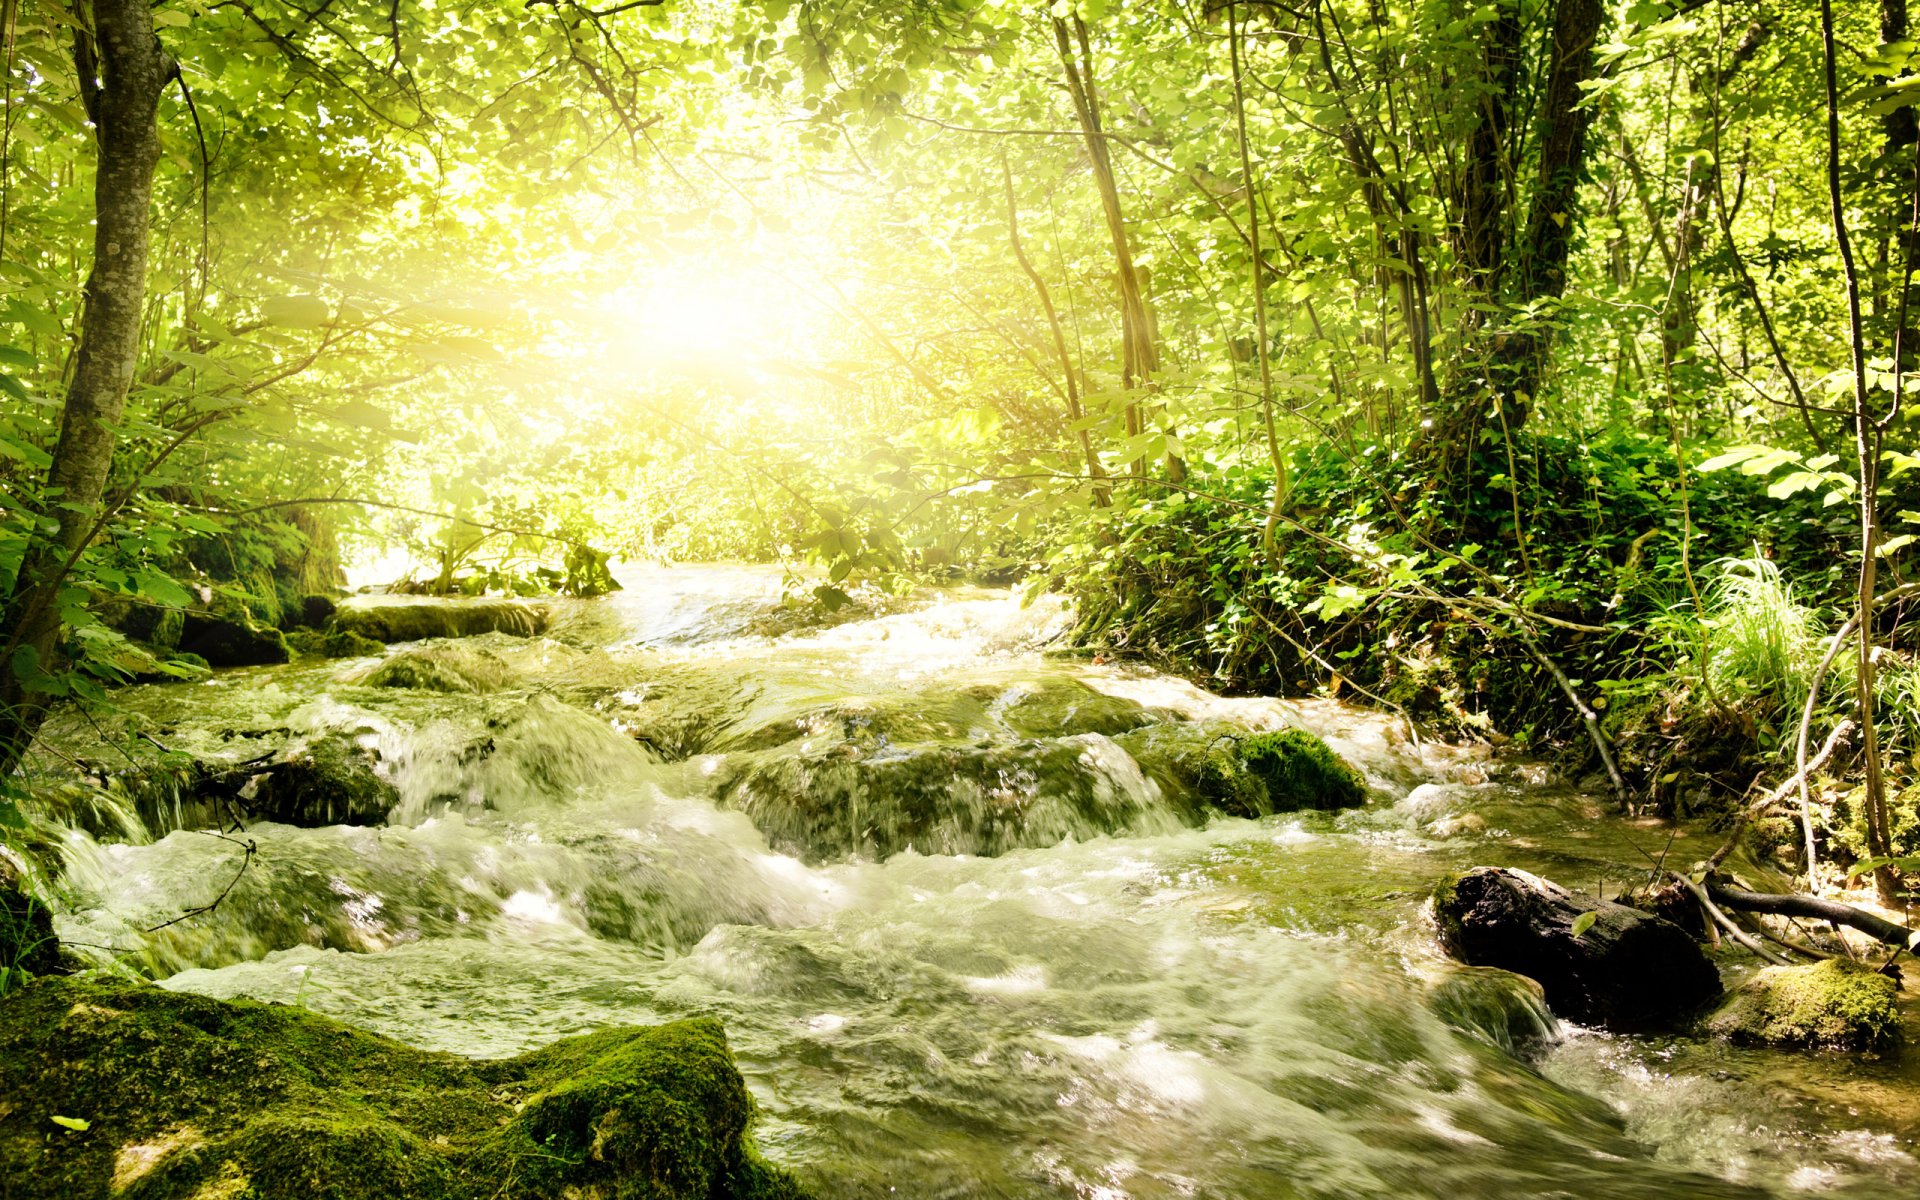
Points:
(333, 780)
(1301, 771)
(445, 667)
(335, 643)
(1199, 763)
(27, 943)
(308, 612)
(1245, 775)
(1836, 1005)
(232, 641)
(389, 619)
(140, 1093)
(1600, 963)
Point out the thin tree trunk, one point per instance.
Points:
(1139, 350)
(124, 55)
(1867, 451)
(1102, 495)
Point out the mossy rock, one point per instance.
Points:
(870, 723)
(840, 802)
(1301, 771)
(1246, 775)
(233, 641)
(415, 620)
(179, 1095)
(331, 781)
(308, 612)
(1836, 1005)
(1199, 763)
(446, 667)
(335, 643)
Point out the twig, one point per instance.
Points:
(1733, 931)
(203, 909)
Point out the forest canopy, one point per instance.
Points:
(1494, 360)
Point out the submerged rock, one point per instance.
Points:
(1625, 969)
(1836, 1005)
(143, 1093)
(412, 621)
(824, 806)
(27, 942)
(447, 667)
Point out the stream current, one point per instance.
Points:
(966, 939)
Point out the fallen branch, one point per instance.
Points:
(1877, 928)
(1733, 931)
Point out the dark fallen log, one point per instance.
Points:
(1816, 909)
(1600, 963)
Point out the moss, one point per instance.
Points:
(1837, 1004)
(412, 621)
(1301, 771)
(1062, 707)
(447, 667)
(183, 1095)
(1246, 775)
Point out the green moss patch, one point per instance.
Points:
(133, 1091)
(1837, 1004)
(1301, 771)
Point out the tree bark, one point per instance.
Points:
(1139, 348)
(124, 55)
(1501, 363)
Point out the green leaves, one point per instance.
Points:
(1584, 922)
(296, 312)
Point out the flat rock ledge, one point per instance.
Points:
(1624, 970)
(397, 620)
(132, 1091)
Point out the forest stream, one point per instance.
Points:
(965, 940)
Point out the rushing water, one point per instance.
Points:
(966, 940)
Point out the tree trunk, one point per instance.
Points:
(1679, 321)
(1500, 365)
(123, 54)
(1139, 349)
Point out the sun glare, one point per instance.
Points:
(688, 317)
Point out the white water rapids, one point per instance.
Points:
(963, 941)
